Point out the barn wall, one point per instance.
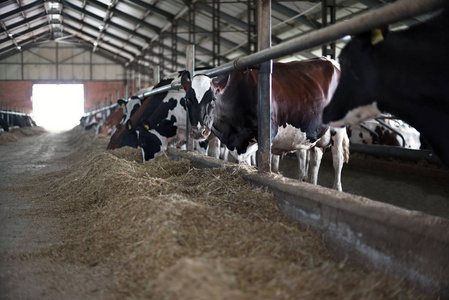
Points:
(101, 93)
(16, 94)
(57, 63)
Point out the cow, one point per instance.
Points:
(129, 106)
(166, 125)
(389, 132)
(4, 125)
(404, 73)
(126, 135)
(226, 105)
(92, 121)
(109, 125)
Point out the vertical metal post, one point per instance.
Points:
(264, 87)
(190, 67)
(252, 26)
(156, 74)
(192, 23)
(216, 33)
(328, 6)
(174, 46)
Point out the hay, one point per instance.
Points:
(16, 134)
(7, 137)
(170, 231)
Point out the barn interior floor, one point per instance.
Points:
(23, 276)
(406, 185)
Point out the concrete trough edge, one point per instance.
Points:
(371, 234)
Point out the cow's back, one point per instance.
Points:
(301, 90)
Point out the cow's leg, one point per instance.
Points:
(225, 153)
(316, 154)
(275, 163)
(340, 154)
(254, 160)
(303, 163)
(214, 147)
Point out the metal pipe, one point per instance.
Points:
(392, 129)
(264, 87)
(382, 16)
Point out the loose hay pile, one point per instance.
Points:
(17, 133)
(169, 231)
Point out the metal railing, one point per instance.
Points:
(8, 115)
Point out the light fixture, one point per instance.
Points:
(95, 44)
(101, 27)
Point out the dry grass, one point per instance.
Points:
(17, 133)
(170, 231)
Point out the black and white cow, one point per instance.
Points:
(126, 135)
(130, 106)
(405, 74)
(226, 105)
(167, 124)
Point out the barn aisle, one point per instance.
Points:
(23, 275)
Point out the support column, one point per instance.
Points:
(190, 67)
(264, 87)
(216, 33)
(328, 8)
(252, 26)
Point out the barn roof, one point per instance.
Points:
(140, 34)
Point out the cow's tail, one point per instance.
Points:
(345, 143)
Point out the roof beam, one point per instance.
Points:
(94, 37)
(20, 9)
(25, 44)
(291, 13)
(23, 22)
(25, 31)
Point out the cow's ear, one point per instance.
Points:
(129, 125)
(185, 80)
(376, 36)
(146, 124)
(121, 102)
(219, 83)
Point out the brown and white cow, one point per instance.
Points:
(108, 125)
(226, 105)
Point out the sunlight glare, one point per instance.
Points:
(58, 107)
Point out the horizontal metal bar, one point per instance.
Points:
(13, 113)
(100, 109)
(165, 88)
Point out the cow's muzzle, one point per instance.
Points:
(200, 134)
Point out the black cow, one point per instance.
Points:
(405, 74)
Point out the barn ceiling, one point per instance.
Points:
(142, 33)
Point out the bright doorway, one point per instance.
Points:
(58, 107)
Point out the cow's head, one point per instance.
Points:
(148, 141)
(200, 99)
(360, 90)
